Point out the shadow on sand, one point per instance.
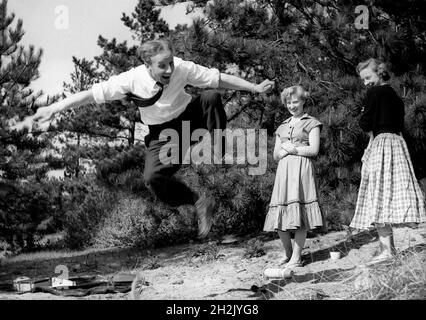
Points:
(353, 242)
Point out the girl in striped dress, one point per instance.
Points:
(389, 194)
(294, 207)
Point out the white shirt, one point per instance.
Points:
(174, 99)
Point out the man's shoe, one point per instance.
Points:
(204, 207)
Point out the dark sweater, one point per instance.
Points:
(383, 112)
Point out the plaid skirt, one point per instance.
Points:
(389, 192)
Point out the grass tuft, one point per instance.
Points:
(402, 279)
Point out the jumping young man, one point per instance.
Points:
(157, 88)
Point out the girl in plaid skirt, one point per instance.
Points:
(389, 193)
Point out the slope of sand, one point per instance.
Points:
(215, 270)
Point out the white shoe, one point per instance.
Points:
(383, 257)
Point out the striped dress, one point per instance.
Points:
(294, 201)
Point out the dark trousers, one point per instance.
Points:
(203, 112)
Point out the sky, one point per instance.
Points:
(66, 28)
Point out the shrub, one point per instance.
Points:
(137, 222)
(338, 205)
(85, 206)
(241, 199)
(26, 210)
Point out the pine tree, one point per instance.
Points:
(316, 44)
(24, 198)
(145, 23)
(83, 122)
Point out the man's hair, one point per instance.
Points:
(151, 48)
(377, 66)
(298, 91)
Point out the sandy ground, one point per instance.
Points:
(215, 270)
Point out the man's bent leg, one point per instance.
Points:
(159, 178)
(206, 111)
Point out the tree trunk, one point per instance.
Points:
(132, 132)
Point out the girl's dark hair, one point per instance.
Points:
(151, 48)
(377, 66)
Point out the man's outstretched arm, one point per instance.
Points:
(228, 81)
(45, 114)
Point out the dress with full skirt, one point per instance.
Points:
(389, 192)
(294, 201)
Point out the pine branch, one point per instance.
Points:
(327, 4)
(2, 53)
(91, 134)
(235, 115)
